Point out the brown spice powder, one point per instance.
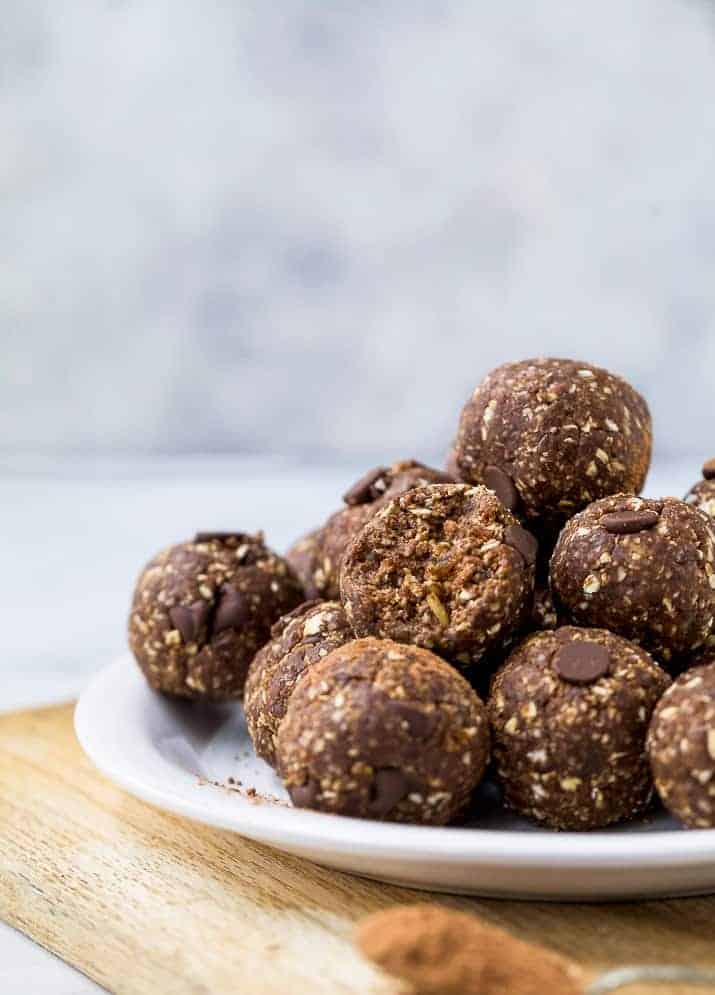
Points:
(443, 952)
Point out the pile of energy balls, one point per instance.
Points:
(523, 611)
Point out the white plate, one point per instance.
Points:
(178, 756)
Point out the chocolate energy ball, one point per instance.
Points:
(569, 713)
(445, 567)
(642, 568)
(681, 747)
(298, 640)
(551, 435)
(379, 730)
(318, 556)
(702, 494)
(306, 560)
(202, 609)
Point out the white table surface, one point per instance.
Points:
(74, 539)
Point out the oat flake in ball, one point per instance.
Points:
(298, 640)
(681, 747)
(551, 435)
(569, 712)
(643, 568)
(317, 557)
(379, 730)
(202, 609)
(445, 567)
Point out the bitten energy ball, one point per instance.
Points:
(317, 557)
(569, 712)
(642, 568)
(702, 494)
(681, 747)
(551, 435)
(202, 609)
(383, 731)
(446, 567)
(298, 640)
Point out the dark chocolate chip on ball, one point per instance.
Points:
(502, 485)
(304, 795)
(523, 542)
(628, 522)
(419, 724)
(368, 487)
(218, 536)
(582, 662)
(709, 469)
(232, 611)
(387, 790)
(189, 619)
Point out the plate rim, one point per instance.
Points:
(286, 826)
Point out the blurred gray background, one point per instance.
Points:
(307, 229)
(248, 249)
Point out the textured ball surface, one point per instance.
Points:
(552, 435)
(298, 640)
(384, 731)
(202, 609)
(681, 747)
(569, 711)
(642, 568)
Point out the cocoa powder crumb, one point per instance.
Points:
(236, 787)
(443, 952)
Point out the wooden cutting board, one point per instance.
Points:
(145, 902)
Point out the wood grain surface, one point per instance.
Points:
(147, 903)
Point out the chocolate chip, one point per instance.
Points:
(502, 485)
(220, 536)
(190, 619)
(369, 487)
(709, 469)
(232, 610)
(304, 795)
(627, 522)
(420, 724)
(388, 788)
(582, 662)
(523, 542)
(405, 482)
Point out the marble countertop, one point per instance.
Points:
(74, 539)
